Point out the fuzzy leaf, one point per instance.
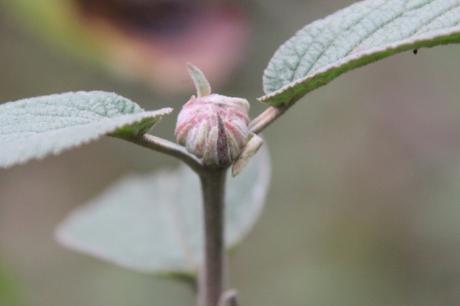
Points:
(355, 36)
(153, 223)
(36, 127)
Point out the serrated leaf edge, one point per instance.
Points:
(360, 59)
(126, 120)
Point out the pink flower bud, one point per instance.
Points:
(214, 128)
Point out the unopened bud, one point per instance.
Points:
(211, 126)
(214, 128)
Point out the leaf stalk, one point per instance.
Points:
(169, 148)
(267, 117)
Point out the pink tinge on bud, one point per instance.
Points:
(214, 128)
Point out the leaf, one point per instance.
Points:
(36, 127)
(353, 37)
(153, 223)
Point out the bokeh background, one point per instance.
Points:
(364, 205)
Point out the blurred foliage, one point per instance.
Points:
(143, 40)
(56, 19)
(8, 292)
(364, 204)
(102, 227)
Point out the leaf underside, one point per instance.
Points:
(36, 127)
(153, 223)
(353, 37)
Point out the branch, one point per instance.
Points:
(168, 147)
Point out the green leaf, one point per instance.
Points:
(36, 127)
(153, 223)
(353, 37)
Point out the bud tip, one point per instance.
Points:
(203, 88)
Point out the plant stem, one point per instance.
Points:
(170, 148)
(213, 188)
(267, 117)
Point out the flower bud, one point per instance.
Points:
(214, 128)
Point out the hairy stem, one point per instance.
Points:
(267, 117)
(213, 188)
(170, 148)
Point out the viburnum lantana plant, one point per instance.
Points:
(168, 211)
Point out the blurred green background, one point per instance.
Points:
(364, 206)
